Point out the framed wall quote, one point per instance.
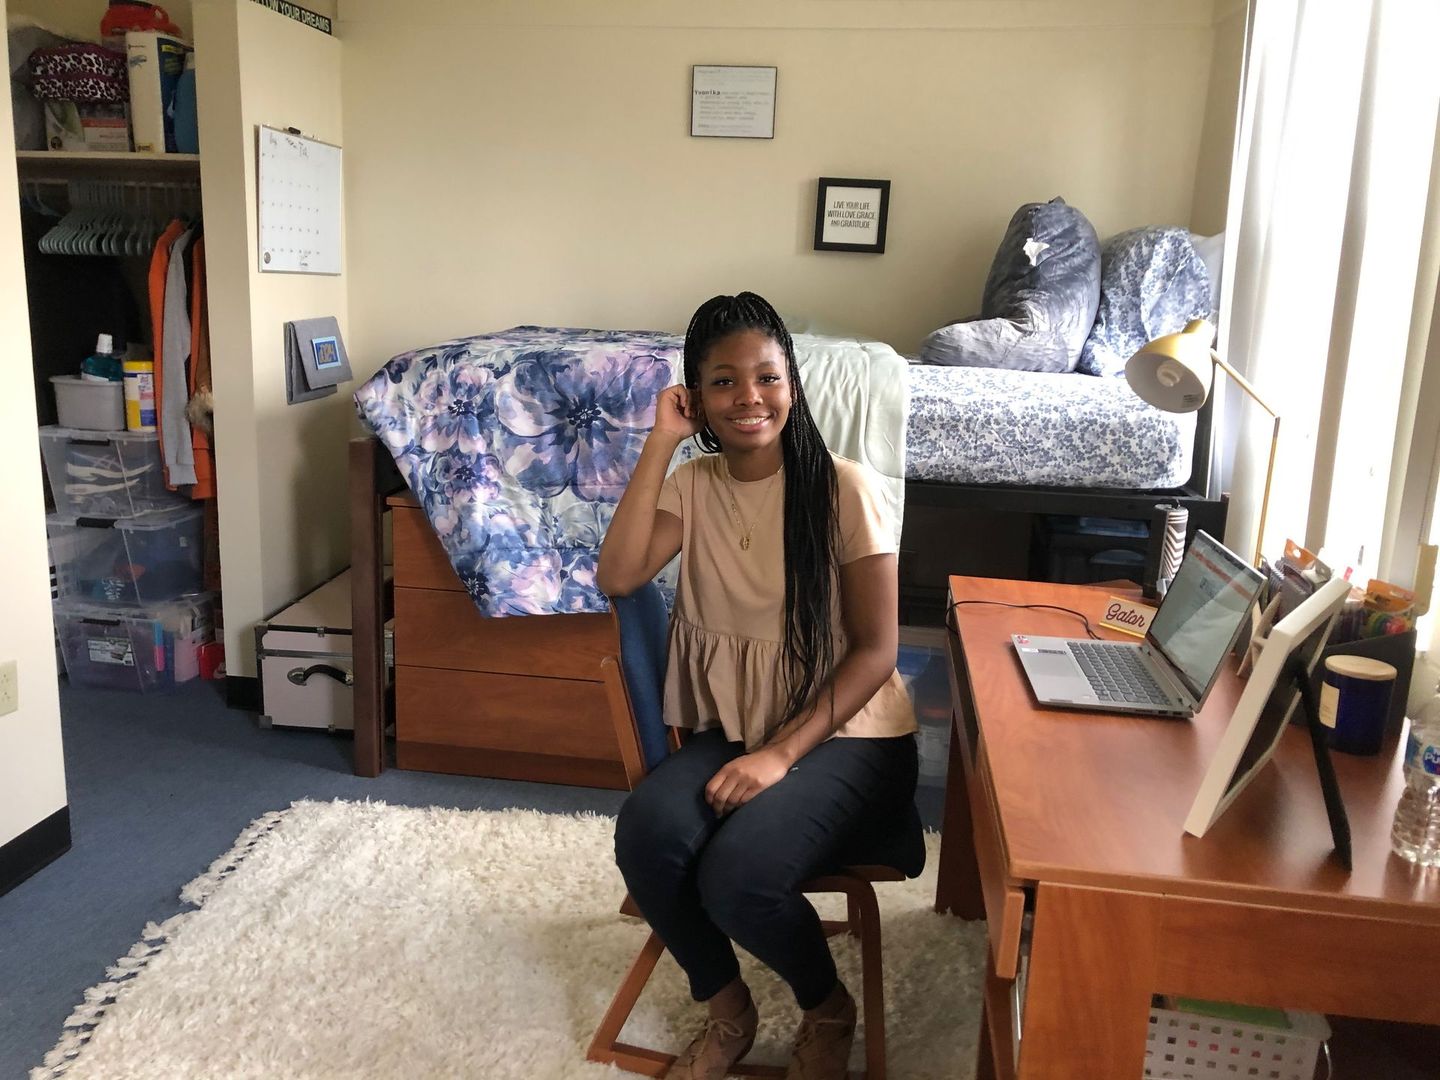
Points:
(850, 215)
(732, 102)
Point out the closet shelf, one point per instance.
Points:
(99, 165)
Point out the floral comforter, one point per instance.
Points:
(518, 445)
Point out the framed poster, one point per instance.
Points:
(732, 102)
(850, 214)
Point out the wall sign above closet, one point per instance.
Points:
(298, 187)
(298, 13)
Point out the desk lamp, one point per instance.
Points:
(1174, 374)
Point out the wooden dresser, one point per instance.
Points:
(518, 698)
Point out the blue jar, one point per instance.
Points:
(1354, 702)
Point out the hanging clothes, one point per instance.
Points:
(159, 270)
(200, 391)
(176, 439)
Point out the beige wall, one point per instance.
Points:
(32, 771)
(1217, 136)
(281, 468)
(530, 162)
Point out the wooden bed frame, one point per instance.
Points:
(535, 698)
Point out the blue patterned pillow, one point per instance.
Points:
(1152, 282)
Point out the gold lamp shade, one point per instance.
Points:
(1173, 372)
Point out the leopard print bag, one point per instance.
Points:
(79, 72)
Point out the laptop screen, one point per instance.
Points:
(1202, 611)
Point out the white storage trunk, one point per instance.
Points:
(305, 656)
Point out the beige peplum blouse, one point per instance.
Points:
(726, 633)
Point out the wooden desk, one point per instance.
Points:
(1077, 821)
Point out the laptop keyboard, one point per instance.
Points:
(1117, 673)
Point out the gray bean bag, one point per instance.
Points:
(1152, 282)
(1039, 300)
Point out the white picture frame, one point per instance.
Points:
(732, 101)
(1252, 736)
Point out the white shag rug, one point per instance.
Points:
(361, 940)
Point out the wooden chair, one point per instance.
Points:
(891, 852)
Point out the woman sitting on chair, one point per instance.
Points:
(781, 662)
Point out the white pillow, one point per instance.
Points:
(1211, 250)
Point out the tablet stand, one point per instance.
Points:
(1334, 805)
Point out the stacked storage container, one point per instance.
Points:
(128, 557)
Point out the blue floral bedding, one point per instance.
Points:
(518, 445)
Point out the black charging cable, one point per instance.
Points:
(950, 613)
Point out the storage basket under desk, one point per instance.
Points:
(1193, 1046)
(521, 698)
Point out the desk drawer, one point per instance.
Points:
(1004, 902)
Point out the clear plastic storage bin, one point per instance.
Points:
(147, 648)
(106, 474)
(140, 560)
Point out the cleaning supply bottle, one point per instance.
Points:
(104, 365)
(140, 394)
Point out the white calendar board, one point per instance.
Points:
(298, 187)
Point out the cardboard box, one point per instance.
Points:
(77, 126)
(155, 62)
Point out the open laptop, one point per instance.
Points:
(1168, 674)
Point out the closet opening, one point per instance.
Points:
(114, 256)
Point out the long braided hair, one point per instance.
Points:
(810, 496)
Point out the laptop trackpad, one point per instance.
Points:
(1050, 663)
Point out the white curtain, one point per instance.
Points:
(1327, 294)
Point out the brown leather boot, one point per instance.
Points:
(720, 1044)
(822, 1044)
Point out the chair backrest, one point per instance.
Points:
(643, 623)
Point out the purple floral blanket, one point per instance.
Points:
(518, 445)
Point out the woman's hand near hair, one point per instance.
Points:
(642, 539)
(678, 413)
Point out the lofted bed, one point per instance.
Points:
(501, 456)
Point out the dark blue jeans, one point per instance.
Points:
(703, 881)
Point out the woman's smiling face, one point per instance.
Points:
(745, 391)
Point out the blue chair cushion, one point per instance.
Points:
(644, 629)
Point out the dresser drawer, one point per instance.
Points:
(420, 561)
(512, 713)
(439, 629)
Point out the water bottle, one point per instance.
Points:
(1416, 835)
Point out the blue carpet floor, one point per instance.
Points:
(158, 787)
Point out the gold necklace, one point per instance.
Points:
(745, 530)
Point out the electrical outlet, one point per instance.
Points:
(9, 687)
